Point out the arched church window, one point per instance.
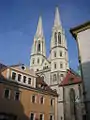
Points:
(72, 102)
(54, 77)
(55, 37)
(39, 47)
(59, 38)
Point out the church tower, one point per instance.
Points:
(38, 52)
(59, 61)
(58, 48)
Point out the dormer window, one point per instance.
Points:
(59, 38)
(55, 37)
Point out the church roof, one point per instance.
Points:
(71, 78)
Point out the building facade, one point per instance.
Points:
(22, 98)
(81, 33)
(53, 68)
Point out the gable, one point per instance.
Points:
(70, 78)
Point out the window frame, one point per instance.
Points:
(8, 94)
(15, 95)
(20, 78)
(12, 75)
(33, 116)
(32, 99)
(42, 116)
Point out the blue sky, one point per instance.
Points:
(18, 22)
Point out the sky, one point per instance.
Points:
(18, 22)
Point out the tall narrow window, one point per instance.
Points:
(33, 61)
(24, 79)
(42, 100)
(51, 117)
(17, 95)
(55, 66)
(59, 38)
(54, 53)
(32, 116)
(72, 103)
(38, 60)
(55, 37)
(61, 65)
(54, 77)
(13, 75)
(7, 93)
(33, 99)
(60, 53)
(52, 102)
(39, 47)
(19, 77)
(29, 80)
(41, 117)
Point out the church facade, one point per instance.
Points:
(54, 68)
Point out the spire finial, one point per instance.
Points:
(57, 21)
(39, 31)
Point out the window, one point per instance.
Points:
(39, 47)
(72, 102)
(60, 53)
(55, 65)
(61, 65)
(7, 93)
(42, 100)
(51, 101)
(33, 99)
(19, 77)
(13, 75)
(55, 37)
(51, 117)
(32, 116)
(24, 79)
(33, 61)
(54, 77)
(38, 60)
(41, 117)
(23, 67)
(17, 95)
(54, 53)
(59, 38)
(29, 80)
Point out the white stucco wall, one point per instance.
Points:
(83, 39)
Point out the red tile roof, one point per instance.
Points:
(71, 78)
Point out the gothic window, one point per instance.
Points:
(54, 77)
(55, 37)
(39, 47)
(54, 53)
(60, 53)
(72, 102)
(59, 38)
(55, 66)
